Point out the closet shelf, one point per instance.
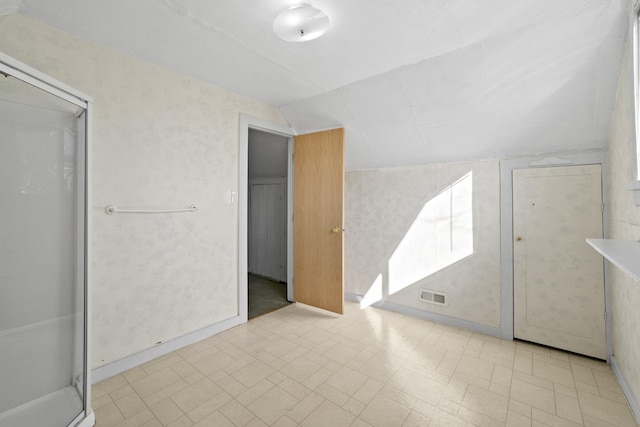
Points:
(624, 254)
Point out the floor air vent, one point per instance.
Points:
(433, 297)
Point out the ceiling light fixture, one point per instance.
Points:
(301, 23)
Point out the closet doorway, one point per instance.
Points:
(319, 215)
(268, 180)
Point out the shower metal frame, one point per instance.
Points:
(27, 74)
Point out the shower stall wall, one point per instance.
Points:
(44, 377)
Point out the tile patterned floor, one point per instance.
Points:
(370, 367)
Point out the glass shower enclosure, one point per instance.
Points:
(44, 377)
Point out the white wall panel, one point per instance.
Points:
(268, 229)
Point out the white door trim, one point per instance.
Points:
(506, 229)
(248, 122)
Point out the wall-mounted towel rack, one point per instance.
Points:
(112, 209)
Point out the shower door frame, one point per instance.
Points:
(27, 74)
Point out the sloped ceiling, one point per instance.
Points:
(412, 81)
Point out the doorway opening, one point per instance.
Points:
(270, 130)
(268, 179)
(319, 201)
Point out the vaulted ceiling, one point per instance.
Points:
(412, 81)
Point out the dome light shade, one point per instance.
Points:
(301, 23)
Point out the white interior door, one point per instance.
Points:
(268, 229)
(558, 278)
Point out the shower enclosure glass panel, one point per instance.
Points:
(42, 257)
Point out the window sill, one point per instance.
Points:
(634, 186)
(624, 254)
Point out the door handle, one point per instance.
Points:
(337, 230)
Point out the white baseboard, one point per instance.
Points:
(628, 393)
(114, 368)
(434, 317)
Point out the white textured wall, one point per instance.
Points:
(159, 138)
(383, 204)
(624, 223)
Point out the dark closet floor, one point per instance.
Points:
(265, 295)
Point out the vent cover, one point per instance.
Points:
(433, 297)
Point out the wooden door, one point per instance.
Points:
(558, 278)
(318, 218)
(268, 229)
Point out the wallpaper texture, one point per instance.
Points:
(432, 227)
(624, 224)
(159, 139)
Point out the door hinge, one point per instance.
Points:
(605, 316)
(603, 207)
